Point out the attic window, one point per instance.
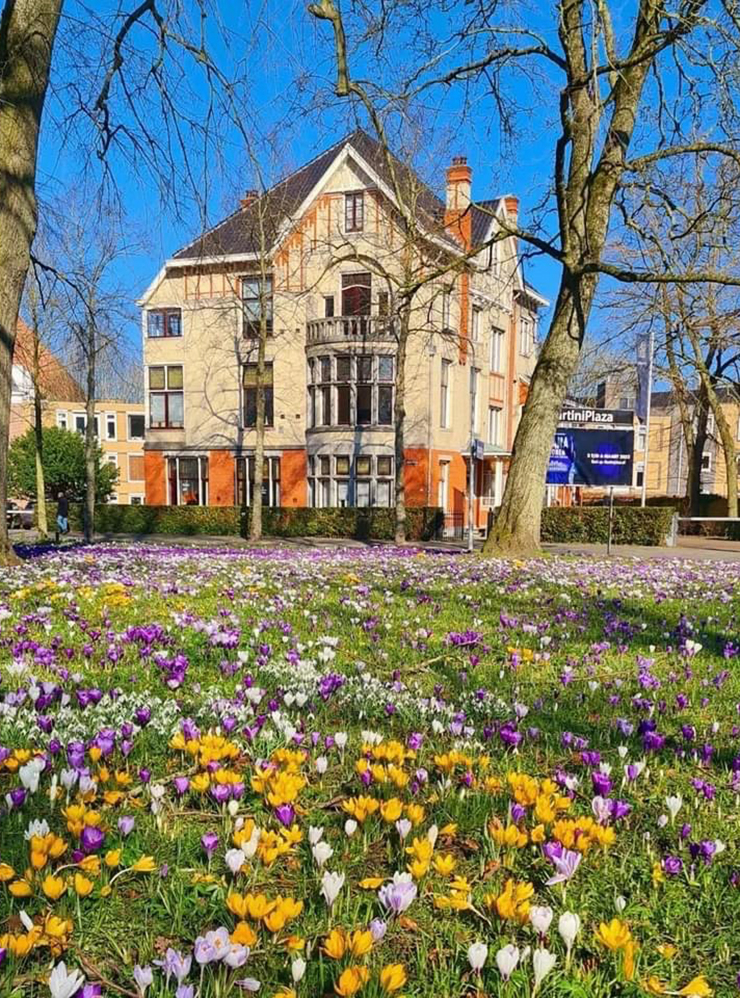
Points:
(354, 212)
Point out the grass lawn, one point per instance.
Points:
(367, 772)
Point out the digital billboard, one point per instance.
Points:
(591, 457)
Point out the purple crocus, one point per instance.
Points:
(565, 865)
(672, 865)
(91, 839)
(210, 843)
(285, 814)
(398, 895)
(181, 784)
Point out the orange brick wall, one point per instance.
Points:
(221, 478)
(155, 478)
(293, 491)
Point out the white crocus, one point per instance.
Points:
(314, 834)
(477, 956)
(507, 959)
(569, 925)
(322, 764)
(250, 848)
(350, 827)
(63, 984)
(298, 969)
(673, 804)
(235, 860)
(331, 885)
(403, 827)
(620, 903)
(542, 963)
(540, 916)
(322, 853)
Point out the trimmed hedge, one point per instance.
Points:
(422, 523)
(590, 524)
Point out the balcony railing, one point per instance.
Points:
(344, 328)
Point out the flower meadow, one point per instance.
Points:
(367, 772)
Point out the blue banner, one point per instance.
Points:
(591, 457)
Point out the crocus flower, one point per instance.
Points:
(569, 925)
(63, 983)
(565, 866)
(331, 885)
(175, 964)
(91, 839)
(125, 825)
(542, 963)
(378, 929)
(507, 959)
(399, 894)
(477, 956)
(143, 977)
(540, 916)
(285, 814)
(210, 843)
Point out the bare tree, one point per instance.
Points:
(660, 64)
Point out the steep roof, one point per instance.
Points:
(56, 383)
(261, 221)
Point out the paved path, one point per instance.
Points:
(696, 548)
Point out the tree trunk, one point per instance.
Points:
(693, 484)
(91, 443)
(27, 30)
(255, 521)
(399, 420)
(517, 526)
(41, 521)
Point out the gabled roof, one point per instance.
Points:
(261, 221)
(55, 381)
(482, 216)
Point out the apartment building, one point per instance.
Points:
(119, 426)
(320, 256)
(665, 459)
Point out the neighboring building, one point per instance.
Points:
(331, 354)
(119, 425)
(667, 458)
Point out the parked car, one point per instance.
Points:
(18, 518)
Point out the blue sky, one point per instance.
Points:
(282, 59)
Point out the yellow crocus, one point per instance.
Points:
(82, 885)
(20, 889)
(352, 980)
(335, 944)
(697, 988)
(391, 810)
(392, 977)
(360, 942)
(144, 864)
(243, 934)
(615, 935)
(113, 858)
(444, 865)
(53, 887)
(237, 905)
(6, 873)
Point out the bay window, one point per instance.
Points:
(349, 390)
(361, 480)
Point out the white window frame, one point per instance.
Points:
(639, 469)
(526, 335)
(496, 350)
(128, 426)
(136, 495)
(148, 392)
(111, 416)
(475, 323)
(710, 424)
(445, 398)
(641, 437)
(443, 485)
(493, 430)
(84, 426)
(706, 456)
(63, 417)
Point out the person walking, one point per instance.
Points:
(62, 515)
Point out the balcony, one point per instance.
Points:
(350, 328)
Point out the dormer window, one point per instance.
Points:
(354, 211)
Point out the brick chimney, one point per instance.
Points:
(512, 207)
(458, 220)
(249, 198)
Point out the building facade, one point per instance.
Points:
(325, 281)
(119, 425)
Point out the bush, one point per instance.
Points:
(422, 523)
(590, 524)
(64, 466)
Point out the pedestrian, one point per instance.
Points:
(62, 515)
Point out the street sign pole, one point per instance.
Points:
(611, 521)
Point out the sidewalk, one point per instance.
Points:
(691, 548)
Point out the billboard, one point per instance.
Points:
(591, 457)
(589, 416)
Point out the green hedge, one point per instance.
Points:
(590, 524)
(422, 523)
